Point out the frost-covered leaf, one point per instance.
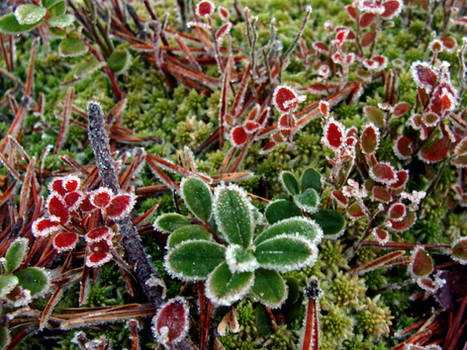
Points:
(433, 152)
(45, 226)
(233, 215)
(99, 233)
(404, 224)
(384, 173)
(281, 209)
(71, 47)
(424, 75)
(58, 208)
(392, 8)
(238, 136)
(170, 222)
(310, 179)
(170, 325)
(375, 115)
(381, 194)
(223, 30)
(459, 250)
(186, 233)
(301, 226)
(381, 236)
(194, 259)
(369, 139)
(7, 284)
(10, 25)
(197, 196)
(285, 99)
(101, 197)
(397, 211)
(29, 14)
(35, 279)
(15, 254)
(308, 200)
(333, 134)
(120, 206)
(99, 253)
(61, 21)
(289, 182)
(269, 288)
(338, 195)
(331, 222)
(239, 259)
(402, 177)
(224, 287)
(421, 264)
(355, 211)
(65, 241)
(119, 60)
(367, 39)
(404, 147)
(286, 253)
(204, 8)
(400, 109)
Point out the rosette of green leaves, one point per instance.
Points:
(29, 16)
(235, 262)
(304, 197)
(18, 286)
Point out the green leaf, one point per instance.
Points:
(61, 21)
(194, 259)
(197, 196)
(375, 115)
(289, 182)
(225, 287)
(29, 14)
(57, 32)
(186, 233)
(71, 47)
(263, 322)
(293, 226)
(311, 179)
(332, 223)
(286, 253)
(308, 200)
(281, 209)
(269, 288)
(170, 222)
(56, 8)
(233, 215)
(86, 66)
(16, 254)
(33, 278)
(4, 337)
(7, 284)
(9, 25)
(119, 60)
(240, 260)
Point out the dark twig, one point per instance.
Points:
(144, 272)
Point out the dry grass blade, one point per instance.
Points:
(223, 99)
(62, 134)
(378, 262)
(104, 315)
(11, 168)
(26, 188)
(187, 52)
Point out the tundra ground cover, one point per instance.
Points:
(233, 174)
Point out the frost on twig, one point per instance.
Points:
(135, 253)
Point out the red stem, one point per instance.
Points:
(309, 326)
